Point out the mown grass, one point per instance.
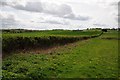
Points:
(93, 58)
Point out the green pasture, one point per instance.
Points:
(92, 58)
(66, 33)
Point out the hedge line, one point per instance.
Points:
(10, 44)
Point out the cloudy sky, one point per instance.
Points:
(58, 14)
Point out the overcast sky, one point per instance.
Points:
(58, 14)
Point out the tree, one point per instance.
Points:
(104, 30)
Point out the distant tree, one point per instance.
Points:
(76, 30)
(98, 28)
(113, 29)
(104, 30)
(87, 28)
(118, 29)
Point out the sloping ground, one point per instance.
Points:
(25, 41)
(11, 44)
(93, 58)
(111, 35)
(63, 33)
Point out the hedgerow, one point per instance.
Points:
(14, 43)
(10, 44)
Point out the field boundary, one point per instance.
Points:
(13, 44)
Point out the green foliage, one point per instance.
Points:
(91, 58)
(86, 59)
(42, 39)
(66, 33)
(17, 43)
(111, 34)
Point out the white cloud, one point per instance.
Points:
(7, 20)
(2, 3)
(55, 9)
(70, 14)
(74, 17)
(59, 10)
(54, 22)
(100, 25)
(30, 6)
(58, 21)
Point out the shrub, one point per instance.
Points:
(22, 43)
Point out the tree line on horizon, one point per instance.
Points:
(26, 30)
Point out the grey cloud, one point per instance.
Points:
(55, 22)
(59, 10)
(114, 4)
(63, 10)
(100, 24)
(30, 6)
(74, 17)
(83, 18)
(3, 3)
(7, 21)
(70, 16)
(51, 22)
(54, 9)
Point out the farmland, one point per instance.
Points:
(66, 33)
(74, 54)
(43, 39)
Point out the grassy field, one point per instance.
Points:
(66, 33)
(91, 58)
(43, 39)
(111, 34)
